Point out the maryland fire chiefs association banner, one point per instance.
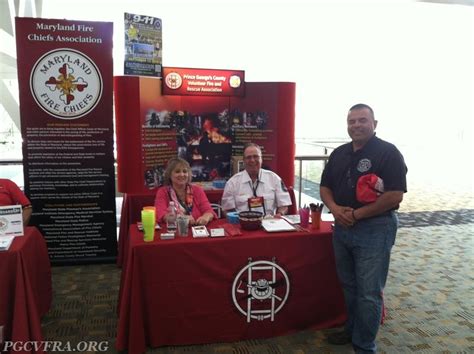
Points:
(65, 74)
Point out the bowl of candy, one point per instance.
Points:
(250, 220)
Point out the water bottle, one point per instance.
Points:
(171, 217)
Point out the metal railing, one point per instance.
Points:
(11, 162)
(299, 173)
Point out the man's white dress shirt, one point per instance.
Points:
(239, 189)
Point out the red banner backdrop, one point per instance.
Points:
(209, 132)
(65, 83)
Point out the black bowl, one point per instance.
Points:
(250, 220)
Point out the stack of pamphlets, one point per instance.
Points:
(5, 242)
(219, 232)
(292, 219)
(277, 225)
(140, 226)
(200, 231)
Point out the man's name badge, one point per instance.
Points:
(257, 204)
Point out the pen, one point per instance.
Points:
(316, 207)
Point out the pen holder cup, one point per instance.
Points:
(304, 217)
(315, 220)
(148, 222)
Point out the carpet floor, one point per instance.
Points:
(429, 294)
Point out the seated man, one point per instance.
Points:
(255, 188)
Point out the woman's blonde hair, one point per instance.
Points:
(172, 164)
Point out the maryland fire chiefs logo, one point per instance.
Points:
(66, 83)
(260, 290)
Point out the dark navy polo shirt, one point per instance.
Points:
(345, 166)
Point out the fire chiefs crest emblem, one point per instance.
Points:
(173, 80)
(260, 290)
(66, 83)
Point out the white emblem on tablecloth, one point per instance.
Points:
(260, 290)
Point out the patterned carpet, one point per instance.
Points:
(429, 294)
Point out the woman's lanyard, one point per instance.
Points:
(187, 205)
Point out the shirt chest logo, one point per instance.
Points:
(364, 165)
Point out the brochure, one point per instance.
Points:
(292, 219)
(277, 225)
(220, 232)
(11, 220)
(200, 231)
(140, 226)
(5, 242)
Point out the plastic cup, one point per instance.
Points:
(315, 220)
(304, 217)
(182, 223)
(148, 222)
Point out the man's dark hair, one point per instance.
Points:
(362, 106)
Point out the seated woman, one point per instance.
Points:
(11, 194)
(188, 199)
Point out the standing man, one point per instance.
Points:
(255, 188)
(364, 231)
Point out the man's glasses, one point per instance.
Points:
(254, 157)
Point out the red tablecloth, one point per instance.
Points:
(178, 292)
(25, 287)
(132, 205)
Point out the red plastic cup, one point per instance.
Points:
(304, 217)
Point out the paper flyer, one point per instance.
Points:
(143, 42)
(11, 220)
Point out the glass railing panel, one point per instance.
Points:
(308, 171)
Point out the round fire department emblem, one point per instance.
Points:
(173, 80)
(364, 165)
(234, 81)
(260, 290)
(66, 83)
